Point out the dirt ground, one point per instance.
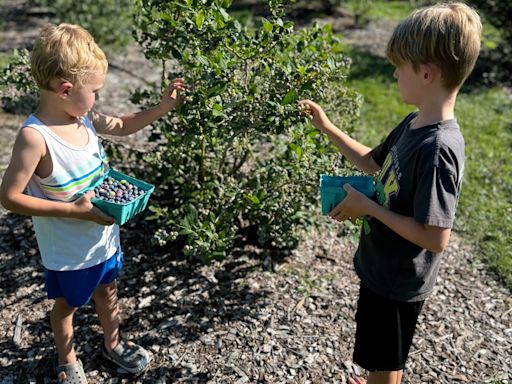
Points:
(257, 317)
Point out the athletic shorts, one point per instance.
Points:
(77, 287)
(384, 331)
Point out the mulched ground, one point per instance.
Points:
(257, 317)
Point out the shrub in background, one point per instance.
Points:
(109, 21)
(495, 65)
(18, 91)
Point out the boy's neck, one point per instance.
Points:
(434, 109)
(50, 112)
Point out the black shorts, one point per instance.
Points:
(384, 331)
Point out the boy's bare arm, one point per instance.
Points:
(28, 150)
(133, 122)
(356, 205)
(124, 125)
(432, 238)
(357, 153)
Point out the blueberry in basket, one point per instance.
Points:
(117, 191)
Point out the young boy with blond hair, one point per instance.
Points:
(420, 166)
(56, 154)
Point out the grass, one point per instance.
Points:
(381, 9)
(484, 216)
(396, 10)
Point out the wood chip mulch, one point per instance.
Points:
(257, 317)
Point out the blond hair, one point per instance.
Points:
(447, 35)
(67, 52)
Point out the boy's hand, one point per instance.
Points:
(318, 116)
(352, 207)
(85, 210)
(172, 96)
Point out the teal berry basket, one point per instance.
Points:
(332, 192)
(122, 212)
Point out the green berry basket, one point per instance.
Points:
(332, 192)
(122, 212)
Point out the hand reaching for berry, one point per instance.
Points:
(172, 96)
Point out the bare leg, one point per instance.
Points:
(61, 319)
(105, 302)
(381, 377)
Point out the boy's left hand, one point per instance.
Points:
(352, 207)
(172, 96)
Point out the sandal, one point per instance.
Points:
(129, 356)
(71, 373)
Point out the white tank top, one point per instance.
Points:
(68, 244)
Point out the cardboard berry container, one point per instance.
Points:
(122, 212)
(332, 192)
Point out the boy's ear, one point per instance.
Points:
(63, 89)
(430, 72)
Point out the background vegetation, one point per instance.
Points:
(484, 112)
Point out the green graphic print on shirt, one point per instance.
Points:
(387, 183)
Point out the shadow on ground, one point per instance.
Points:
(164, 298)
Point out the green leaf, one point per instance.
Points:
(267, 26)
(298, 150)
(331, 63)
(216, 90)
(203, 60)
(224, 14)
(176, 53)
(254, 199)
(200, 19)
(187, 232)
(290, 97)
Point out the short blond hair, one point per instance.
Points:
(446, 34)
(67, 52)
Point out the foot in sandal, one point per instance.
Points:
(129, 356)
(72, 373)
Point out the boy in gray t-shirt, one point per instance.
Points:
(420, 167)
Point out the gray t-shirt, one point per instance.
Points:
(421, 175)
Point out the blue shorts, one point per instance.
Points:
(77, 287)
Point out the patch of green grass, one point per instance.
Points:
(377, 10)
(485, 208)
(484, 216)
(399, 9)
(5, 59)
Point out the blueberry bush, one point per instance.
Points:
(238, 161)
(494, 64)
(18, 91)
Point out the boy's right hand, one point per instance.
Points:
(85, 210)
(318, 116)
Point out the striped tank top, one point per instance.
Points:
(67, 244)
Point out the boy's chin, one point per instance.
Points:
(77, 115)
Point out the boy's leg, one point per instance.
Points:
(107, 309)
(131, 357)
(383, 377)
(61, 319)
